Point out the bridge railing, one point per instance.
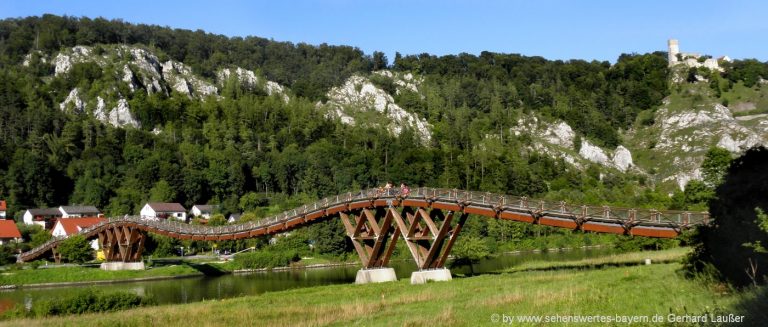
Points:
(490, 200)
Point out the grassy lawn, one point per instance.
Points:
(79, 274)
(538, 289)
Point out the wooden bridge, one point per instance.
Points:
(428, 220)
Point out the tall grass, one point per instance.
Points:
(611, 290)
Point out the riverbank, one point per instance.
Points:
(563, 288)
(72, 275)
(92, 275)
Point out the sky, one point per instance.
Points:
(554, 29)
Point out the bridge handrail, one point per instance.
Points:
(484, 199)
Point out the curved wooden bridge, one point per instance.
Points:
(427, 219)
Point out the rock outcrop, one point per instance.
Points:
(358, 95)
(73, 102)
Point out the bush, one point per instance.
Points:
(265, 259)
(6, 255)
(86, 301)
(76, 249)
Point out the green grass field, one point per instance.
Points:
(558, 288)
(80, 274)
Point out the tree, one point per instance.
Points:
(468, 251)
(217, 220)
(38, 236)
(162, 192)
(725, 247)
(715, 165)
(379, 60)
(76, 249)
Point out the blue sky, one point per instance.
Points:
(596, 29)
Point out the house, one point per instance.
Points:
(43, 217)
(3, 209)
(235, 217)
(70, 226)
(164, 211)
(203, 210)
(9, 232)
(79, 211)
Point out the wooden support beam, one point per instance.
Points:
(372, 235)
(454, 235)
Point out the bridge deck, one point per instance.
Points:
(602, 219)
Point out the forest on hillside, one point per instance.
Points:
(248, 151)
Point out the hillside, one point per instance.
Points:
(113, 114)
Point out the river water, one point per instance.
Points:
(195, 289)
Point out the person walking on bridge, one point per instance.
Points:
(404, 190)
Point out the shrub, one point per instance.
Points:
(265, 259)
(90, 300)
(76, 249)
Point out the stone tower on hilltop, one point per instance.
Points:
(674, 49)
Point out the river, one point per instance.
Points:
(195, 289)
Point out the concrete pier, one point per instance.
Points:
(437, 275)
(375, 275)
(118, 265)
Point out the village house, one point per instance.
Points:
(164, 211)
(69, 226)
(203, 210)
(9, 232)
(234, 217)
(43, 217)
(79, 211)
(3, 209)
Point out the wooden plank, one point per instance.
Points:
(415, 203)
(558, 222)
(658, 232)
(602, 228)
(446, 206)
(509, 215)
(488, 212)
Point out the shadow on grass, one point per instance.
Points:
(753, 305)
(586, 266)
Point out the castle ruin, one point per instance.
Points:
(691, 59)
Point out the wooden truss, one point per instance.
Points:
(373, 235)
(122, 243)
(429, 244)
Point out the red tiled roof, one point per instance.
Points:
(8, 229)
(71, 224)
(2, 205)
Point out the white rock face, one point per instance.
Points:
(622, 158)
(64, 62)
(402, 81)
(249, 78)
(593, 153)
(560, 134)
(77, 104)
(180, 77)
(119, 116)
(28, 58)
(358, 93)
(684, 136)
